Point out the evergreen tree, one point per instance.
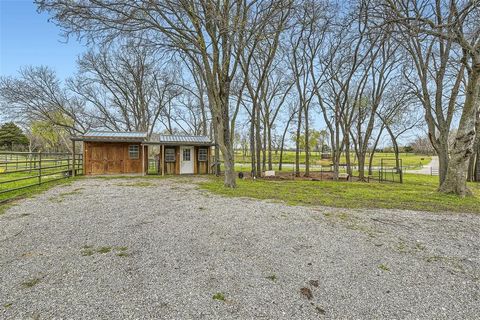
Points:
(11, 135)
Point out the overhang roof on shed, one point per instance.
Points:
(123, 136)
(112, 136)
(180, 140)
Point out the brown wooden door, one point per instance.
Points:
(114, 157)
(106, 158)
(97, 164)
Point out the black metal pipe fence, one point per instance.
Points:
(387, 171)
(23, 170)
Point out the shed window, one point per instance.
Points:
(133, 151)
(202, 154)
(169, 155)
(186, 154)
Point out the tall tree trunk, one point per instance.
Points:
(269, 148)
(396, 149)
(226, 147)
(456, 179)
(347, 154)
(374, 147)
(221, 125)
(443, 158)
(474, 163)
(336, 152)
(264, 147)
(252, 145)
(282, 144)
(258, 139)
(477, 167)
(297, 143)
(361, 165)
(307, 144)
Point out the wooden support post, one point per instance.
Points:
(163, 160)
(74, 169)
(143, 160)
(209, 153)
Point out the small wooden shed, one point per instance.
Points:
(113, 152)
(110, 152)
(182, 154)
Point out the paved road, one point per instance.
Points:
(162, 249)
(427, 169)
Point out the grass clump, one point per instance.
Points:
(87, 252)
(104, 249)
(383, 267)
(219, 296)
(137, 184)
(31, 283)
(123, 254)
(272, 277)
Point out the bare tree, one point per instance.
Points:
(344, 67)
(257, 63)
(452, 24)
(306, 38)
(278, 88)
(125, 88)
(375, 79)
(398, 115)
(37, 94)
(212, 34)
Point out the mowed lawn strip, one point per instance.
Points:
(416, 193)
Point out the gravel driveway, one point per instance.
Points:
(161, 248)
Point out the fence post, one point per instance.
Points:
(68, 165)
(401, 171)
(39, 168)
(74, 169)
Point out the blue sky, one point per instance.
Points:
(27, 38)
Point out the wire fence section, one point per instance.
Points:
(22, 170)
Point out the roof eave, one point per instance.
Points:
(178, 143)
(100, 139)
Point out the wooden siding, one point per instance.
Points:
(111, 158)
(199, 167)
(171, 167)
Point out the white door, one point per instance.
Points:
(186, 160)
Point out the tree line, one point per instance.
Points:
(258, 71)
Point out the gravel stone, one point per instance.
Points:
(162, 248)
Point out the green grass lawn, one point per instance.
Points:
(408, 159)
(418, 192)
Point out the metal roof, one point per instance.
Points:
(123, 136)
(181, 139)
(115, 134)
(94, 135)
